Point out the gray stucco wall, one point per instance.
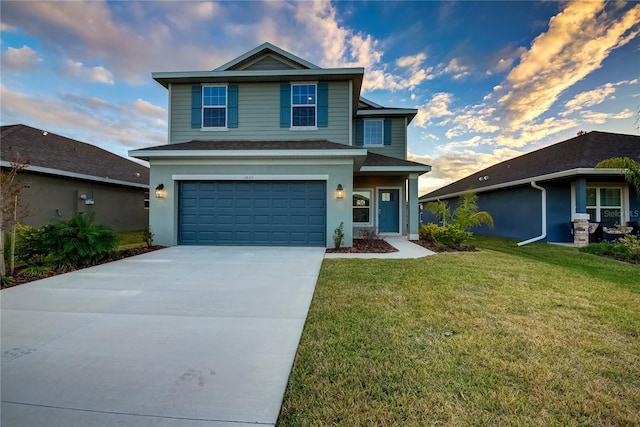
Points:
(50, 197)
(259, 116)
(164, 212)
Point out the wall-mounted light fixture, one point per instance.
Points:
(339, 192)
(161, 193)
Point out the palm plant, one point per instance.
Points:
(466, 214)
(79, 241)
(628, 167)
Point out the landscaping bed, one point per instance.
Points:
(364, 246)
(20, 278)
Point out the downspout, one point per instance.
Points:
(543, 194)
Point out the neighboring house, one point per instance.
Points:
(65, 176)
(538, 195)
(269, 149)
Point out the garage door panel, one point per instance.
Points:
(252, 213)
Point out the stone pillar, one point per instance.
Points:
(581, 230)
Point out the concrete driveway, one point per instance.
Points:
(184, 336)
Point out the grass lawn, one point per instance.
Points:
(130, 240)
(538, 335)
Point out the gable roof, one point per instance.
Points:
(263, 50)
(54, 154)
(581, 152)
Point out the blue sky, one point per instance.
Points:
(491, 80)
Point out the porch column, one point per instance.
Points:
(413, 213)
(581, 195)
(581, 218)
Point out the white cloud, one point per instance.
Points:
(534, 132)
(437, 106)
(90, 74)
(412, 62)
(602, 118)
(98, 121)
(458, 70)
(576, 43)
(21, 59)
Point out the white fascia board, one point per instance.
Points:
(387, 112)
(141, 154)
(165, 78)
(67, 174)
(527, 181)
(421, 169)
(248, 177)
(261, 48)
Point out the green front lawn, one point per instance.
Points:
(130, 239)
(537, 335)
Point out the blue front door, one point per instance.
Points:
(388, 211)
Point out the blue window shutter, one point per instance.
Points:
(387, 132)
(232, 106)
(196, 107)
(323, 105)
(285, 105)
(359, 133)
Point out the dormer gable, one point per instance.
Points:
(267, 57)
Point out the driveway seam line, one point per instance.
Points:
(134, 414)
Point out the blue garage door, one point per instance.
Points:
(271, 213)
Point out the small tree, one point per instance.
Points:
(466, 214)
(338, 235)
(12, 208)
(628, 167)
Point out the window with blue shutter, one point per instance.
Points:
(196, 107)
(359, 133)
(387, 132)
(232, 106)
(323, 105)
(285, 105)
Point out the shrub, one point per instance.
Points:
(449, 236)
(338, 236)
(147, 235)
(30, 244)
(627, 249)
(425, 232)
(79, 241)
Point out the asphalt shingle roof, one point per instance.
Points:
(319, 144)
(584, 151)
(374, 159)
(48, 150)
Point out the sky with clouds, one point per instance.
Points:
(490, 80)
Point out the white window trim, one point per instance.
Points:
(226, 109)
(371, 207)
(315, 106)
(624, 198)
(400, 205)
(364, 137)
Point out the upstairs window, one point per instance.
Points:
(303, 105)
(214, 106)
(373, 132)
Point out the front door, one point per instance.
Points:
(388, 211)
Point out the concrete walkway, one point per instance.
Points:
(405, 248)
(184, 336)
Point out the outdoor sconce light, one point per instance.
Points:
(339, 192)
(161, 193)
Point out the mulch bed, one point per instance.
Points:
(365, 246)
(20, 278)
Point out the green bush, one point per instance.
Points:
(449, 236)
(78, 241)
(30, 244)
(627, 249)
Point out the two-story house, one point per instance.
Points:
(269, 149)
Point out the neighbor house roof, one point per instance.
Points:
(54, 154)
(575, 154)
